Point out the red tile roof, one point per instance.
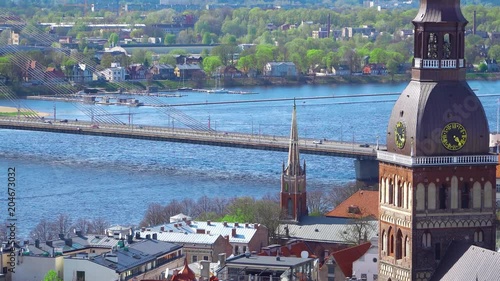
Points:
(361, 204)
(345, 258)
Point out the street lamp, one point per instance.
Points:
(54, 112)
(377, 141)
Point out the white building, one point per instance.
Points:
(114, 73)
(366, 267)
(149, 259)
(35, 267)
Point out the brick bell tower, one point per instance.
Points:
(437, 176)
(293, 178)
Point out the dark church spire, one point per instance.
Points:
(293, 165)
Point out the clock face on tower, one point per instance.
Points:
(400, 134)
(453, 136)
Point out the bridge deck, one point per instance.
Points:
(212, 137)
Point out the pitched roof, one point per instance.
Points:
(344, 258)
(324, 229)
(124, 259)
(243, 232)
(463, 261)
(185, 274)
(361, 204)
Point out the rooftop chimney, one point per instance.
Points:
(233, 232)
(162, 228)
(130, 238)
(148, 236)
(155, 236)
(61, 236)
(225, 223)
(137, 235)
(37, 243)
(222, 260)
(68, 242)
(205, 270)
(236, 224)
(208, 222)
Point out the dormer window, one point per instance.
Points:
(353, 209)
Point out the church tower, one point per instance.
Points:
(437, 176)
(293, 178)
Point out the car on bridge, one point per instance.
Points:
(318, 142)
(94, 126)
(364, 145)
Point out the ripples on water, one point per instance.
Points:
(90, 176)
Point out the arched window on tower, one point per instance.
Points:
(432, 46)
(431, 196)
(476, 195)
(399, 245)
(382, 190)
(391, 192)
(488, 195)
(407, 247)
(478, 236)
(289, 207)
(384, 241)
(426, 240)
(465, 196)
(400, 194)
(390, 242)
(442, 197)
(454, 193)
(446, 46)
(420, 197)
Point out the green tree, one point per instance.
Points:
(167, 59)
(225, 53)
(51, 276)
(169, 39)
(106, 60)
(113, 39)
(210, 64)
(494, 52)
(314, 57)
(263, 55)
(482, 67)
(247, 63)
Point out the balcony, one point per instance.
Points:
(435, 160)
(438, 64)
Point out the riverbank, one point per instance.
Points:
(12, 111)
(228, 82)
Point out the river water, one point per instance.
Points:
(91, 177)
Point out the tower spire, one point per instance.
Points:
(293, 178)
(293, 166)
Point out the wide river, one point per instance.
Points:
(90, 177)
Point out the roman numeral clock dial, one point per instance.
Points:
(453, 136)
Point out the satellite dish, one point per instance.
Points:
(304, 254)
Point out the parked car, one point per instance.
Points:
(364, 145)
(318, 141)
(64, 121)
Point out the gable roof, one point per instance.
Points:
(145, 251)
(361, 204)
(344, 258)
(463, 261)
(243, 233)
(324, 229)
